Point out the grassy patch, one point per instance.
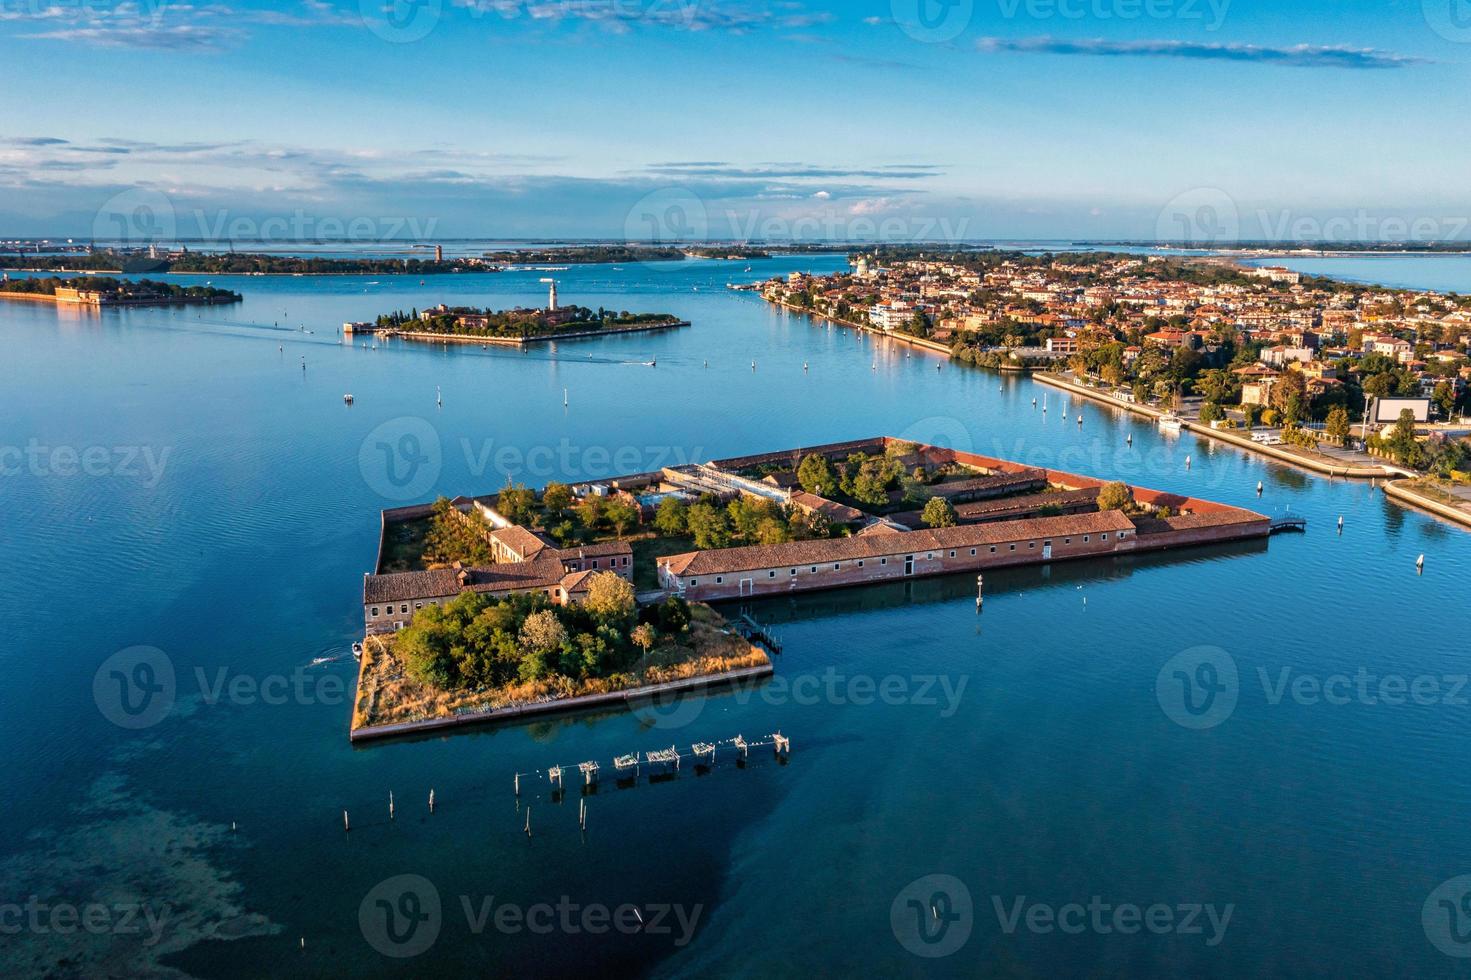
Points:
(403, 546)
(647, 550)
(387, 695)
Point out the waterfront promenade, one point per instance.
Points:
(1337, 462)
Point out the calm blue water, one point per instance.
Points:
(1026, 752)
(1442, 273)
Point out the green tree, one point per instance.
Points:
(556, 498)
(672, 517)
(543, 632)
(709, 526)
(643, 634)
(610, 598)
(622, 514)
(590, 511)
(517, 503)
(1445, 398)
(1338, 426)
(938, 513)
(816, 475)
(1115, 496)
(772, 531)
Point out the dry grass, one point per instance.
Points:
(387, 695)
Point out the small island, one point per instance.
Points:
(470, 325)
(587, 254)
(185, 262)
(106, 291)
(594, 595)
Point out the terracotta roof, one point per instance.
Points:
(443, 582)
(799, 553)
(834, 511)
(600, 550)
(527, 544)
(576, 581)
(1184, 522)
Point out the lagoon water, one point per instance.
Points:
(1030, 754)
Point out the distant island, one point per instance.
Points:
(1306, 248)
(467, 324)
(588, 254)
(238, 263)
(107, 291)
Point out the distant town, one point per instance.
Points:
(1227, 346)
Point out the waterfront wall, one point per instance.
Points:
(1399, 490)
(895, 567)
(1159, 536)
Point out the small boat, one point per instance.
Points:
(1171, 423)
(347, 399)
(357, 651)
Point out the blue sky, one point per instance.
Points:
(900, 119)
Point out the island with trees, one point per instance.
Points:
(238, 263)
(527, 601)
(517, 326)
(108, 291)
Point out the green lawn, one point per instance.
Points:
(646, 553)
(403, 546)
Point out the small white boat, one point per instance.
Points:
(357, 651)
(347, 399)
(1171, 423)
